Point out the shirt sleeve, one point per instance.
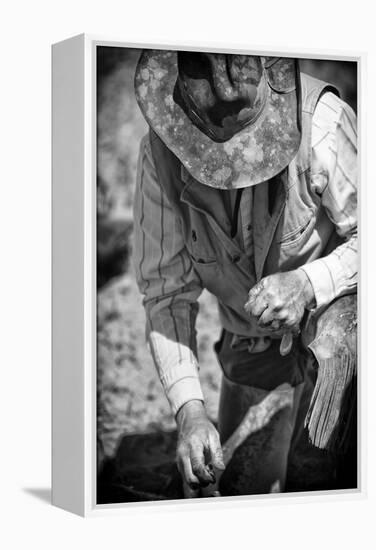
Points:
(170, 286)
(334, 163)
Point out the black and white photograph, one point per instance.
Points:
(227, 273)
(188, 297)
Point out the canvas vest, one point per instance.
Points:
(296, 231)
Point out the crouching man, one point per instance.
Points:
(247, 188)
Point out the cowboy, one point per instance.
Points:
(247, 188)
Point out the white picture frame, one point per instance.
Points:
(74, 277)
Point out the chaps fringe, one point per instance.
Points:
(333, 404)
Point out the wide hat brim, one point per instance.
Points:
(257, 153)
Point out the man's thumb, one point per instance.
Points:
(286, 344)
(217, 455)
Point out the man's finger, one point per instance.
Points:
(216, 454)
(272, 319)
(256, 307)
(266, 318)
(185, 469)
(200, 470)
(189, 492)
(255, 291)
(286, 344)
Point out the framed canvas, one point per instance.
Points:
(205, 262)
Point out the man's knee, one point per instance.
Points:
(332, 332)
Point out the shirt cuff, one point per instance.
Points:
(321, 278)
(184, 390)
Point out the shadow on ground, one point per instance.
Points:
(40, 493)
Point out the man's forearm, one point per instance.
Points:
(176, 362)
(335, 274)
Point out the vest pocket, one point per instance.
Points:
(299, 235)
(201, 252)
(209, 273)
(201, 262)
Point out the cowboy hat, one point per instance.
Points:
(232, 120)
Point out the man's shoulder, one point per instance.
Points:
(312, 90)
(329, 105)
(328, 109)
(309, 82)
(330, 112)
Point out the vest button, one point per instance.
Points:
(236, 258)
(194, 235)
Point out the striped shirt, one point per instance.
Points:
(164, 270)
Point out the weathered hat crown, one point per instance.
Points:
(220, 93)
(232, 127)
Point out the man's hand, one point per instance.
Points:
(199, 449)
(278, 301)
